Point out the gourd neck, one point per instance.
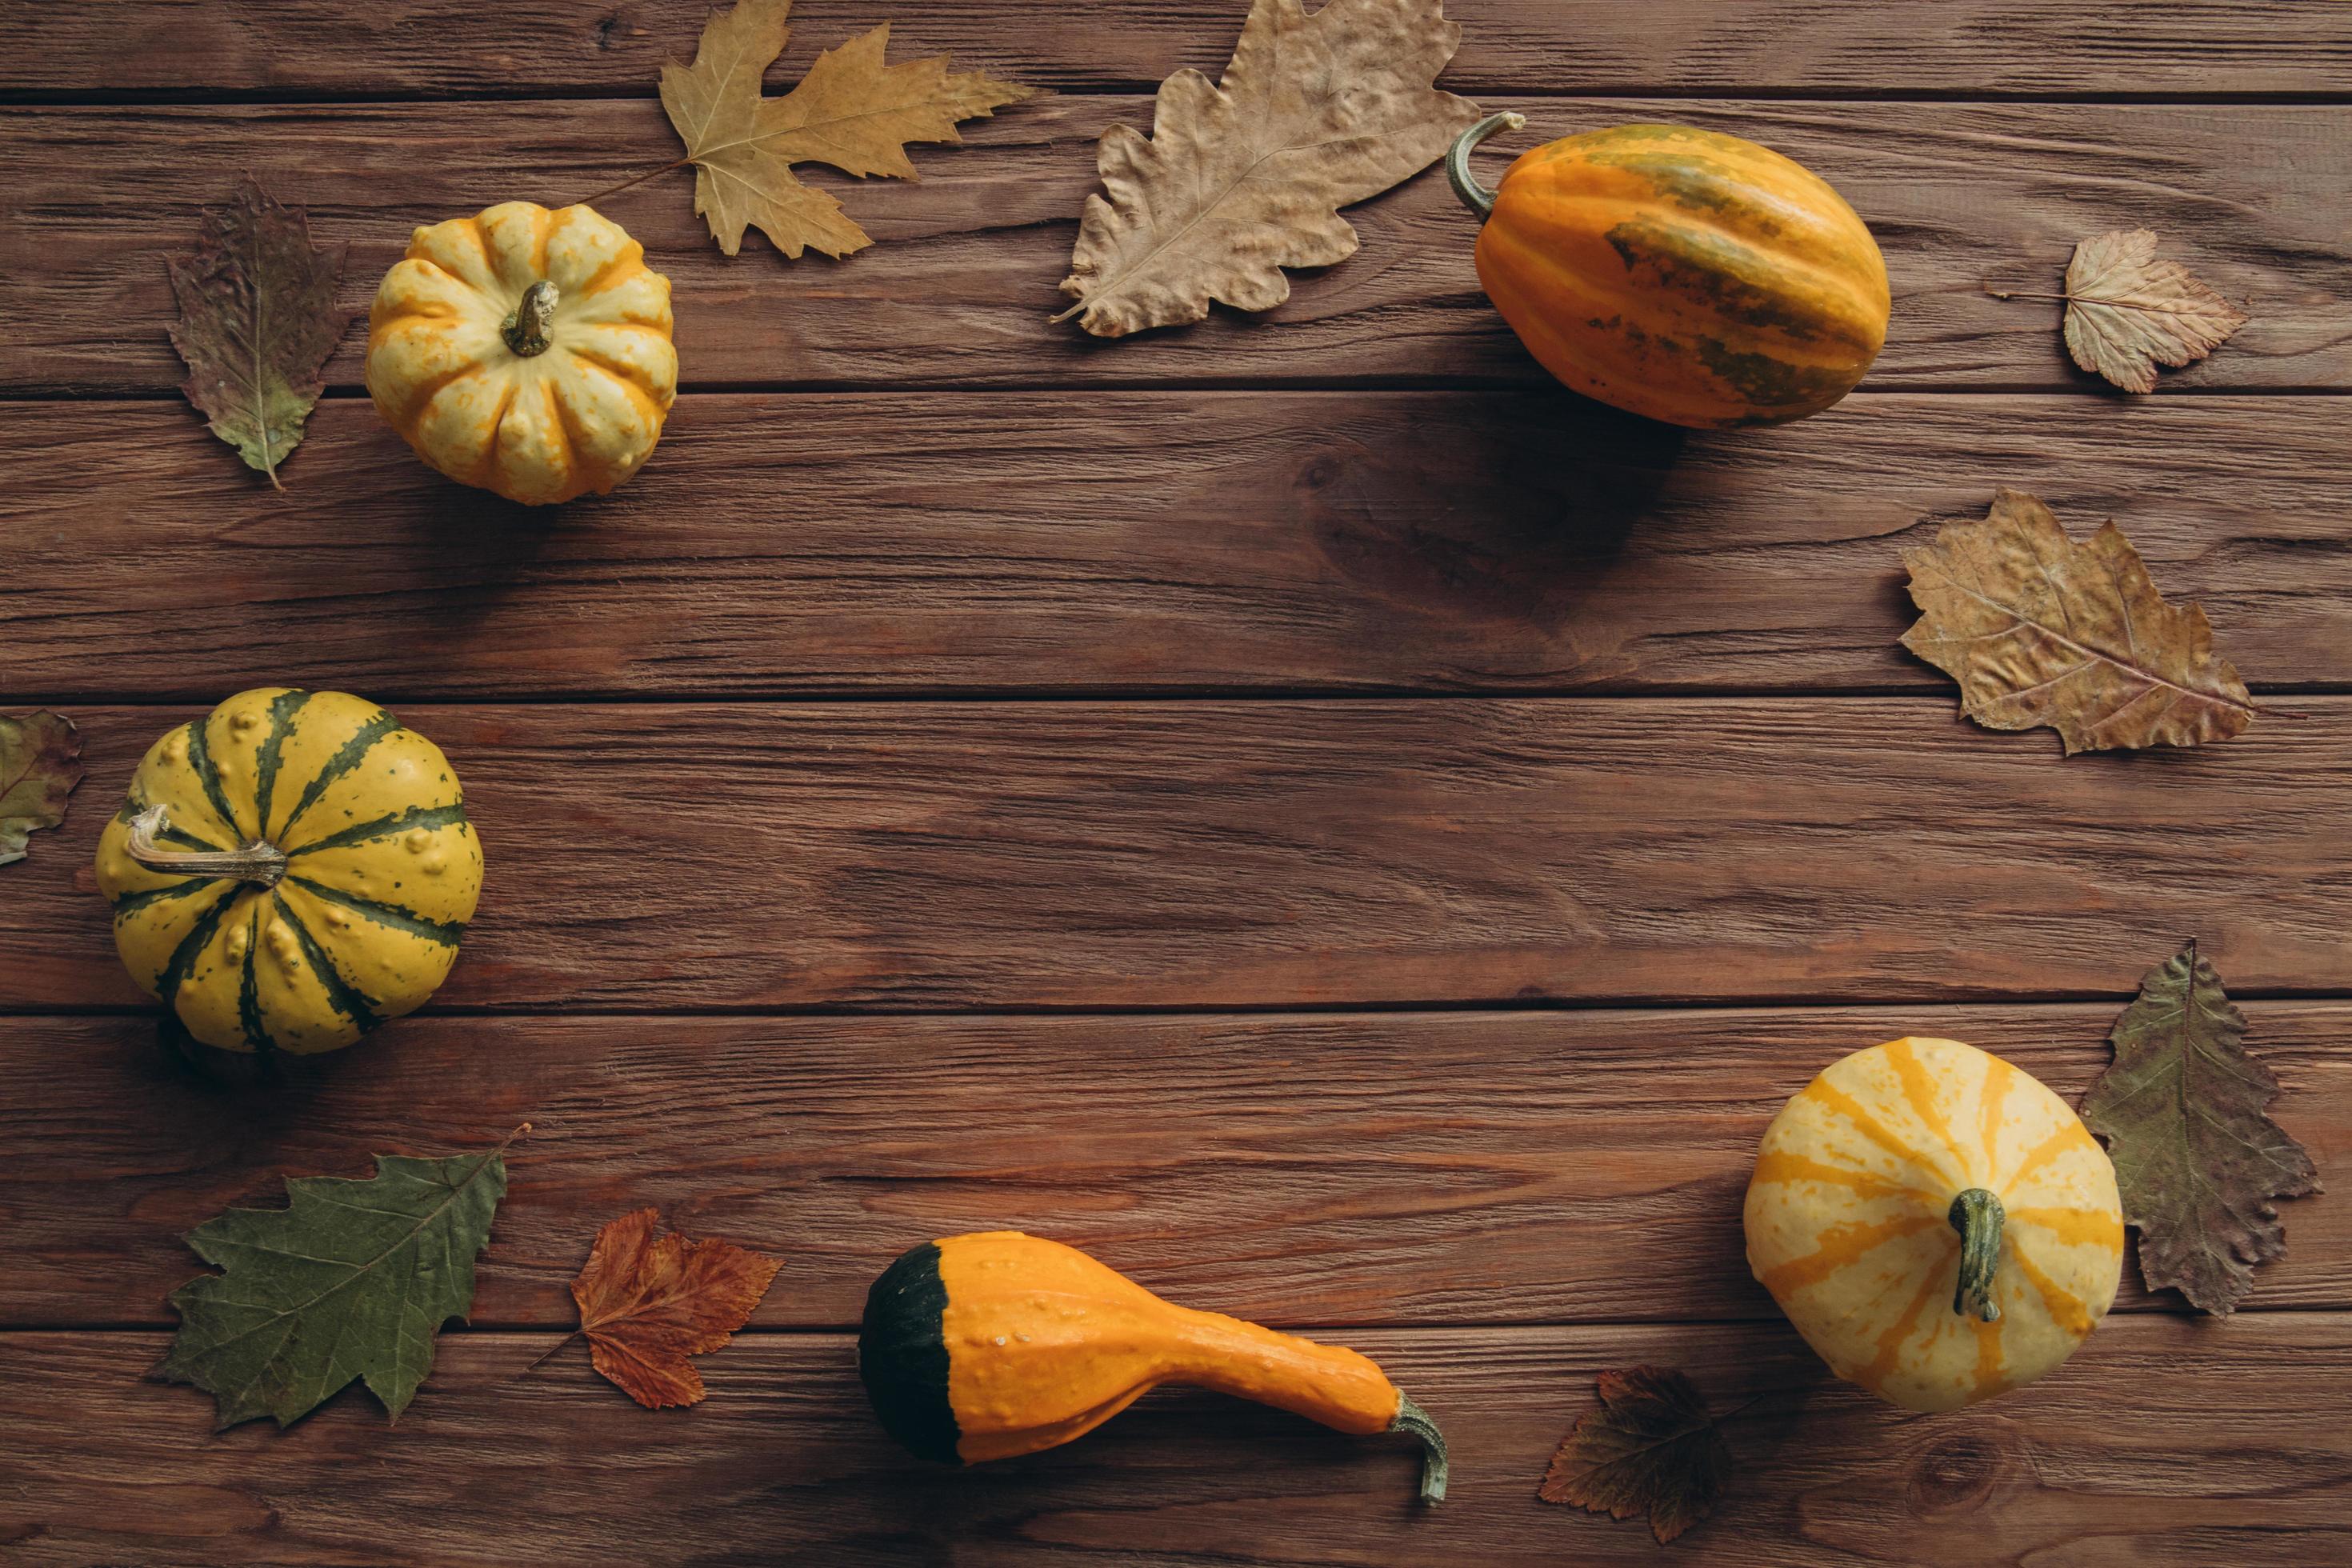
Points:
(1476, 197)
(1976, 1215)
(528, 331)
(259, 862)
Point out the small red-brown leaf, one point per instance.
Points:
(40, 763)
(647, 1303)
(1649, 1446)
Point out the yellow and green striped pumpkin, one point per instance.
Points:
(1935, 1222)
(1681, 274)
(292, 871)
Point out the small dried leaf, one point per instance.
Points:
(2040, 631)
(1240, 180)
(851, 111)
(2184, 1111)
(40, 763)
(649, 1303)
(2127, 312)
(257, 323)
(1650, 1448)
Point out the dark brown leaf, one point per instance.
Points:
(1649, 1446)
(2184, 1111)
(40, 763)
(649, 1303)
(2041, 630)
(257, 322)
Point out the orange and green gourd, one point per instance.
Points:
(290, 872)
(1937, 1224)
(1684, 275)
(982, 1347)
(525, 351)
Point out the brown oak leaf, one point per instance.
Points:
(2041, 630)
(1650, 1446)
(259, 321)
(851, 111)
(647, 1303)
(1241, 179)
(2184, 1111)
(40, 763)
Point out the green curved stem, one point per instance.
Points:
(1412, 1418)
(1476, 197)
(527, 330)
(1977, 1216)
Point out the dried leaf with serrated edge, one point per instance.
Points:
(1650, 1448)
(2040, 631)
(2127, 312)
(649, 1303)
(851, 111)
(40, 763)
(1240, 180)
(351, 1280)
(2183, 1109)
(257, 323)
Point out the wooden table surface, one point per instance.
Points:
(1354, 836)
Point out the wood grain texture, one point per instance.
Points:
(1214, 854)
(2162, 1442)
(436, 49)
(1352, 1169)
(782, 544)
(966, 270)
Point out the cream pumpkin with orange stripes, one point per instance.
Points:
(1937, 1224)
(525, 351)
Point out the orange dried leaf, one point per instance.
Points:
(1650, 1446)
(647, 1303)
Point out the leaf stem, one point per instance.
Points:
(2088, 299)
(543, 1360)
(624, 184)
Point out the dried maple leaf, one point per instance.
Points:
(649, 1303)
(2040, 631)
(40, 763)
(2183, 1109)
(1240, 180)
(851, 111)
(1649, 1446)
(257, 323)
(351, 1280)
(2127, 312)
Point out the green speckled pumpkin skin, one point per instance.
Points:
(1684, 275)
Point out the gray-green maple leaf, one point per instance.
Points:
(257, 323)
(2184, 1111)
(350, 1281)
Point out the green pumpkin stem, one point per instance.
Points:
(1412, 1418)
(1476, 197)
(527, 330)
(259, 862)
(1976, 1215)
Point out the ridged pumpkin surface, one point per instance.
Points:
(581, 414)
(382, 871)
(1684, 275)
(1848, 1221)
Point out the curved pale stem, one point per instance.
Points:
(259, 862)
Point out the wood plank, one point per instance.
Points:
(432, 48)
(2163, 1442)
(967, 271)
(787, 543)
(1433, 1168)
(1083, 855)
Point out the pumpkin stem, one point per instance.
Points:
(526, 332)
(1476, 197)
(1977, 1216)
(1412, 1418)
(261, 862)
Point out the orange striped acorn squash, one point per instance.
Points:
(290, 872)
(1680, 274)
(1936, 1222)
(525, 351)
